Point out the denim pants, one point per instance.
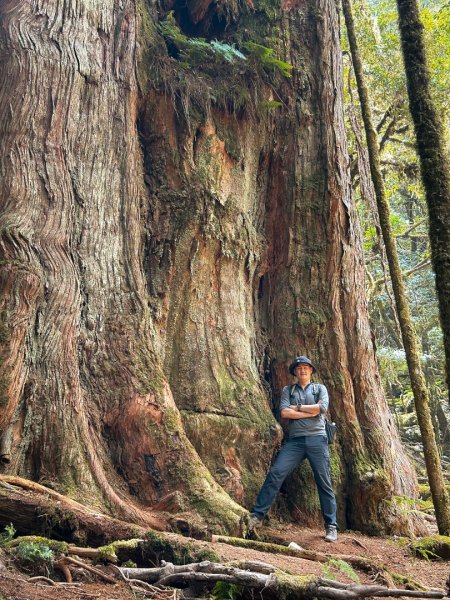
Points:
(294, 451)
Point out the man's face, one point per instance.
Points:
(303, 371)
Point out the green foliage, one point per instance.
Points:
(226, 591)
(425, 553)
(7, 535)
(129, 564)
(34, 553)
(196, 50)
(327, 572)
(269, 104)
(199, 52)
(343, 567)
(227, 51)
(265, 57)
(408, 505)
(435, 547)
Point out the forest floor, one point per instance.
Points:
(386, 551)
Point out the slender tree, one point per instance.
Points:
(418, 384)
(434, 159)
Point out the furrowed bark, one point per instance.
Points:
(87, 404)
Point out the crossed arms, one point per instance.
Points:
(304, 411)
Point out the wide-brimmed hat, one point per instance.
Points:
(300, 360)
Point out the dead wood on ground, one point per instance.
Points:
(34, 508)
(274, 582)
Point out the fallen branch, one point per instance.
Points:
(79, 563)
(272, 548)
(39, 578)
(35, 490)
(276, 583)
(359, 562)
(61, 564)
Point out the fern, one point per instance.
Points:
(227, 51)
(265, 56)
(197, 50)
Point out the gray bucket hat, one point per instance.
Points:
(299, 360)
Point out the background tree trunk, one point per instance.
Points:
(433, 157)
(409, 336)
(167, 248)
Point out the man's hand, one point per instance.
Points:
(300, 411)
(312, 409)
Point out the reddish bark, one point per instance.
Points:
(146, 325)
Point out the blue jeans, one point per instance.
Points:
(294, 451)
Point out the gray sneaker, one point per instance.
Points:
(253, 522)
(330, 533)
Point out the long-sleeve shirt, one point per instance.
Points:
(314, 393)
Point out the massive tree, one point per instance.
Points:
(176, 223)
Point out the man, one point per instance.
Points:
(303, 405)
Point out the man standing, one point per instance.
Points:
(303, 405)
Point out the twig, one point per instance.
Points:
(41, 578)
(83, 565)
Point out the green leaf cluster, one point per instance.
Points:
(267, 59)
(7, 535)
(196, 50)
(199, 52)
(34, 553)
(226, 591)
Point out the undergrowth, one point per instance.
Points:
(197, 74)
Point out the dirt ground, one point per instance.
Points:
(386, 551)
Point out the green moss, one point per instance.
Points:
(434, 547)
(265, 547)
(228, 134)
(407, 582)
(149, 42)
(294, 586)
(55, 546)
(109, 552)
(343, 567)
(150, 379)
(172, 421)
(308, 318)
(158, 548)
(129, 564)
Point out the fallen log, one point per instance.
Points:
(274, 583)
(34, 508)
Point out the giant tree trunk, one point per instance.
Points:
(167, 248)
